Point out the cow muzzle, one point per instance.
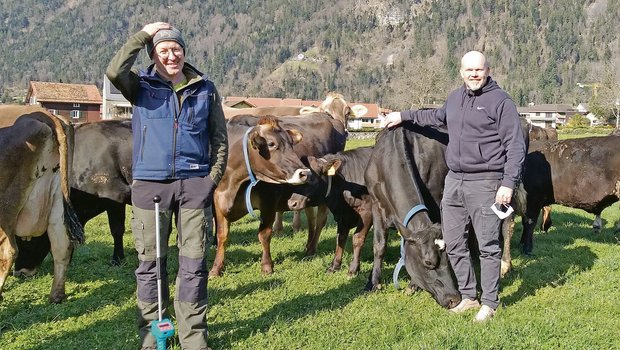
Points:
(300, 177)
(297, 202)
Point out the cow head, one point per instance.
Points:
(426, 262)
(315, 190)
(271, 155)
(336, 106)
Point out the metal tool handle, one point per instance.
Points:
(158, 264)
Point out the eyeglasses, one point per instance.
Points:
(165, 53)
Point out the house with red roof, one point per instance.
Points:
(77, 102)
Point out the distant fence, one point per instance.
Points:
(362, 135)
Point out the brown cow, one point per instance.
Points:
(542, 134)
(36, 151)
(578, 173)
(337, 107)
(263, 152)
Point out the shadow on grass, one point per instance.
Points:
(553, 261)
(287, 311)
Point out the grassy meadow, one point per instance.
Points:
(565, 296)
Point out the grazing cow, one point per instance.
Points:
(36, 150)
(261, 152)
(407, 168)
(100, 182)
(578, 173)
(339, 183)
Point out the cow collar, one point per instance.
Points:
(401, 261)
(253, 180)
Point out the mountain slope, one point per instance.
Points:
(397, 53)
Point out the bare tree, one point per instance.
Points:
(605, 101)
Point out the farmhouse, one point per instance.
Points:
(547, 115)
(79, 102)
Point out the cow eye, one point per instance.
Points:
(272, 145)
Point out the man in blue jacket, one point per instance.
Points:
(180, 148)
(485, 155)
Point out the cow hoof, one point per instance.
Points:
(215, 273)
(57, 299)
(24, 273)
(352, 273)
(372, 287)
(506, 267)
(333, 268)
(267, 270)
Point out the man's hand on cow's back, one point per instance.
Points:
(504, 195)
(392, 119)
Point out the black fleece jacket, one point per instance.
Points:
(486, 140)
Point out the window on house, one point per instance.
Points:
(53, 111)
(76, 105)
(76, 114)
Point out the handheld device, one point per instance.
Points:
(502, 210)
(163, 328)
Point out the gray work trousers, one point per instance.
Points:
(190, 201)
(464, 201)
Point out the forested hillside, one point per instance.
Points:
(397, 53)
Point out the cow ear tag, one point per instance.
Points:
(331, 171)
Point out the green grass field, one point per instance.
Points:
(563, 297)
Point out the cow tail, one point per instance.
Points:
(75, 230)
(65, 137)
(64, 134)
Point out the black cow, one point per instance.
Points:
(339, 182)
(100, 182)
(578, 173)
(352, 205)
(406, 169)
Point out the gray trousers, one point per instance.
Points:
(190, 201)
(467, 201)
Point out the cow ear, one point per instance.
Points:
(295, 135)
(316, 164)
(257, 141)
(358, 110)
(404, 231)
(332, 166)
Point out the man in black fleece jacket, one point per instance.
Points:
(485, 155)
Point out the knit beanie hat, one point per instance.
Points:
(172, 34)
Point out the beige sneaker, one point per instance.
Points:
(464, 305)
(485, 313)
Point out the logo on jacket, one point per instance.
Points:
(480, 108)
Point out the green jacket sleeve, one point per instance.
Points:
(218, 136)
(120, 71)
